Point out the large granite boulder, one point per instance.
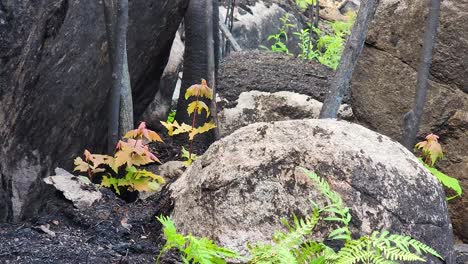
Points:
(383, 85)
(244, 183)
(255, 106)
(54, 81)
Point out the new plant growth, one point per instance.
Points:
(192, 249)
(278, 45)
(171, 116)
(329, 46)
(121, 169)
(194, 108)
(294, 246)
(431, 151)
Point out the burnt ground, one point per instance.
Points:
(272, 72)
(96, 235)
(99, 234)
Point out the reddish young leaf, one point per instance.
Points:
(143, 133)
(198, 90)
(431, 149)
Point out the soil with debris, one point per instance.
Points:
(272, 72)
(112, 231)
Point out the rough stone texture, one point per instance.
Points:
(461, 253)
(254, 23)
(54, 80)
(79, 189)
(399, 27)
(240, 188)
(271, 72)
(255, 106)
(171, 169)
(160, 107)
(383, 85)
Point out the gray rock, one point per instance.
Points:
(461, 253)
(171, 169)
(252, 27)
(244, 183)
(256, 106)
(77, 189)
(383, 85)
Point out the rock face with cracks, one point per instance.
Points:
(384, 83)
(244, 183)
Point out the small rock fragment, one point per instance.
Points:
(45, 229)
(77, 189)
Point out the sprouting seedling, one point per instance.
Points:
(431, 149)
(194, 108)
(132, 151)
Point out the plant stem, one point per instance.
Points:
(193, 126)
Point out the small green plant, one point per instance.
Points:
(295, 246)
(431, 151)
(196, 107)
(329, 47)
(306, 46)
(280, 46)
(192, 249)
(171, 116)
(119, 170)
(303, 4)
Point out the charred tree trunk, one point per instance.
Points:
(317, 13)
(352, 50)
(54, 84)
(120, 99)
(198, 36)
(126, 122)
(412, 119)
(212, 26)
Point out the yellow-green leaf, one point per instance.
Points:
(202, 129)
(198, 106)
(199, 90)
(81, 165)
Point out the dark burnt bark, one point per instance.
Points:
(212, 23)
(196, 61)
(55, 81)
(120, 100)
(352, 50)
(412, 119)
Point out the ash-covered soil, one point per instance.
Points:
(112, 231)
(272, 72)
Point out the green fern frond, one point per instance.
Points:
(286, 246)
(336, 208)
(383, 247)
(204, 251)
(193, 249)
(446, 180)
